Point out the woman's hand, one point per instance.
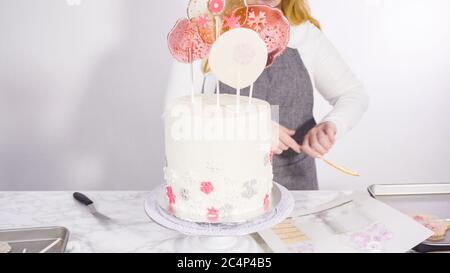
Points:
(317, 143)
(283, 140)
(319, 140)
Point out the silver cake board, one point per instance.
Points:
(220, 237)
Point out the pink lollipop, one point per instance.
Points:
(269, 22)
(185, 43)
(216, 7)
(211, 8)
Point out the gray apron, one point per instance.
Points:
(287, 84)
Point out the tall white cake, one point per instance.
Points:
(218, 159)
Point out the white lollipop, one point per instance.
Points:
(238, 57)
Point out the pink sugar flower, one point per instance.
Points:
(266, 201)
(361, 239)
(170, 195)
(206, 187)
(213, 214)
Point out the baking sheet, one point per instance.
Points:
(34, 240)
(361, 225)
(413, 199)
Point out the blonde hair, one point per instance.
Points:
(298, 12)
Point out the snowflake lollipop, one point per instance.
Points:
(270, 24)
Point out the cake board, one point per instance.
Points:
(219, 237)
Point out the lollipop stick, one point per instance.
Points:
(192, 82)
(238, 98)
(251, 94)
(191, 61)
(238, 93)
(203, 84)
(217, 21)
(218, 93)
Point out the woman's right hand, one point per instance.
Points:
(283, 140)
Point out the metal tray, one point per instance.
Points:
(412, 199)
(34, 240)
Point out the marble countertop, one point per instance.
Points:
(132, 230)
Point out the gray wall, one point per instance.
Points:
(82, 90)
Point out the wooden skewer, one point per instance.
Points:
(341, 168)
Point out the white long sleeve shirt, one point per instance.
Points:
(331, 76)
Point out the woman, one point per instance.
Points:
(310, 57)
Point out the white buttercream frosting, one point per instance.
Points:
(218, 157)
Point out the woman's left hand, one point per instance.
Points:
(319, 140)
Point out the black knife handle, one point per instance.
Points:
(83, 199)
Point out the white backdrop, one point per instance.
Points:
(82, 90)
